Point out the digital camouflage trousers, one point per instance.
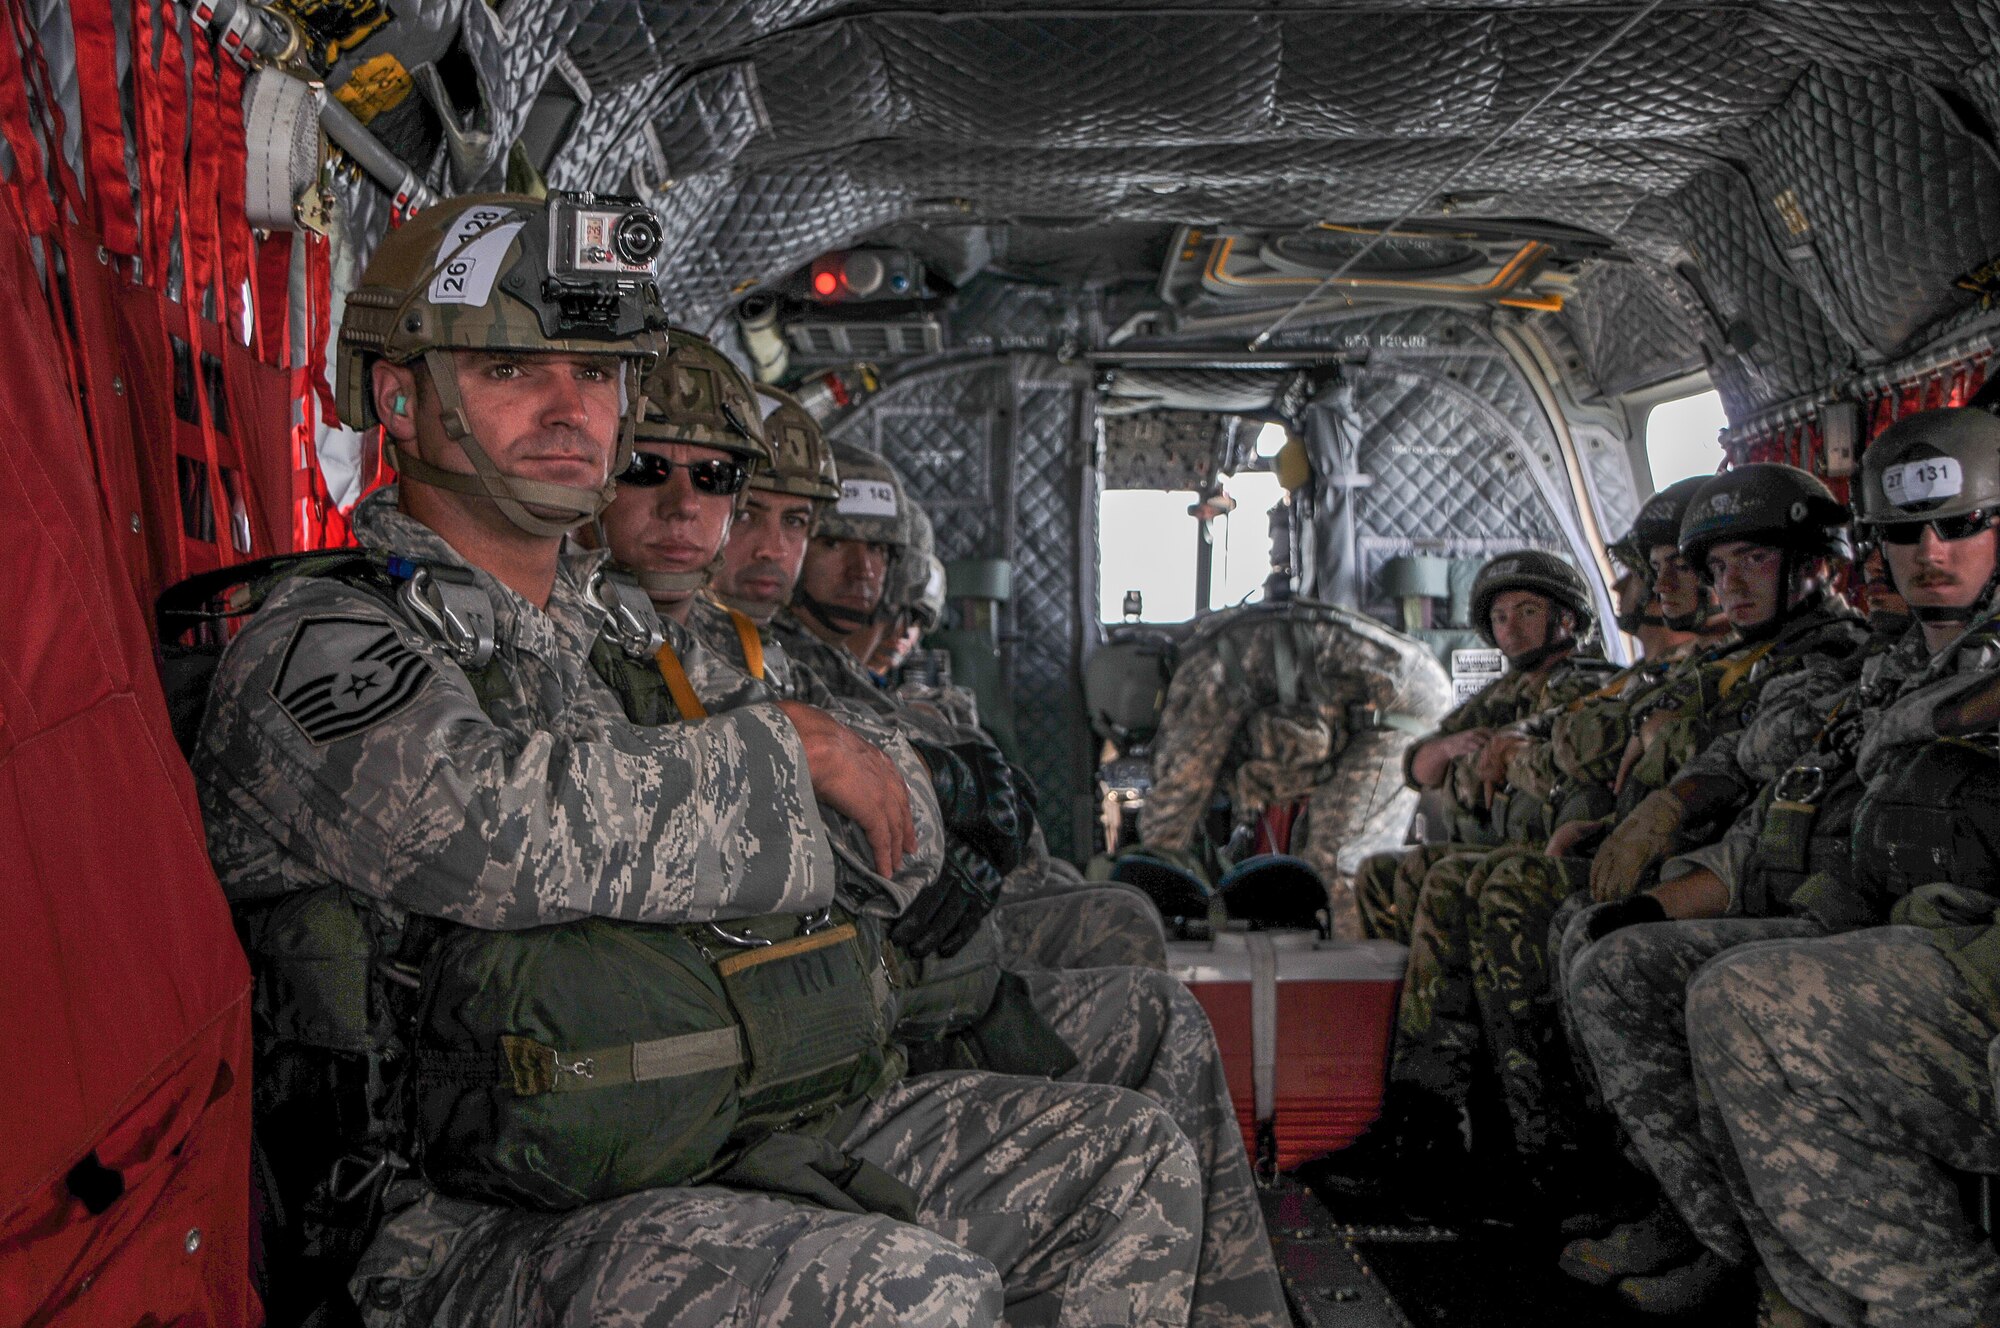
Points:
(1839, 1080)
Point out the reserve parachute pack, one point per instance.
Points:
(1298, 727)
(556, 1065)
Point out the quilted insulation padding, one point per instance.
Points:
(1618, 317)
(1162, 449)
(1739, 271)
(1426, 448)
(997, 451)
(1877, 158)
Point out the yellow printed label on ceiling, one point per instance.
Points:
(378, 84)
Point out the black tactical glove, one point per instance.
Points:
(1623, 913)
(981, 803)
(948, 911)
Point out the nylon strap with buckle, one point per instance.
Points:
(678, 685)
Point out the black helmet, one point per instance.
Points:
(1530, 569)
(1659, 521)
(1766, 503)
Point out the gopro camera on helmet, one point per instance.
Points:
(594, 236)
(602, 248)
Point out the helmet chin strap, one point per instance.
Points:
(510, 494)
(1706, 610)
(839, 619)
(1787, 611)
(1558, 638)
(674, 583)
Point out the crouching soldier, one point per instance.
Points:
(531, 962)
(1294, 706)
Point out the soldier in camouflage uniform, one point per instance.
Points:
(348, 752)
(1048, 916)
(1784, 871)
(1130, 1027)
(1543, 612)
(1294, 703)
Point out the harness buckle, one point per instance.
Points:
(631, 619)
(741, 939)
(452, 608)
(1802, 784)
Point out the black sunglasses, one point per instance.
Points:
(714, 475)
(1946, 528)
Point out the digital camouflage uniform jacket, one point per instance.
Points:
(345, 747)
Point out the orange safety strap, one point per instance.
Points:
(678, 685)
(753, 643)
(1740, 669)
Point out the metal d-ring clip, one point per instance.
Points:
(584, 1067)
(373, 1169)
(819, 921)
(742, 940)
(631, 619)
(1801, 784)
(452, 608)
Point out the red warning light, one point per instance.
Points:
(825, 283)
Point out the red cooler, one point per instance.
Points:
(1304, 1025)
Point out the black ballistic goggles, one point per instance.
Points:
(1946, 528)
(715, 475)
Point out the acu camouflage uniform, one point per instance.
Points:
(1865, 1063)
(1132, 1027)
(346, 752)
(1796, 1092)
(1048, 916)
(1387, 884)
(1304, 702)
(1478, 981)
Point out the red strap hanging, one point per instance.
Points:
(103, 126)
(29, 189)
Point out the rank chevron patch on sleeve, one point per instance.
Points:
(342, 675)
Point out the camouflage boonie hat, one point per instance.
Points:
(801, 462)
(1530, 569)
(1766, 503)
(872, 506)
(695, 395)
(1936, 463)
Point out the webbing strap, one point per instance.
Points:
(1737, 671)
(1263, 1025)
(1285, 663)
(753, 643)
(678, 685)
(798, 945)
(103, 130)
(537, 1069)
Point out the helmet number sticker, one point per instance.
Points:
(1923, 481)
(867, 498)
(469, 270)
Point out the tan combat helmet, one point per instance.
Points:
(801, 462)
(874, 509)
(695, 395)
(504, 272)
(908, 587)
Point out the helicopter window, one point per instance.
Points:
(1151, 541)
(1682, 437)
